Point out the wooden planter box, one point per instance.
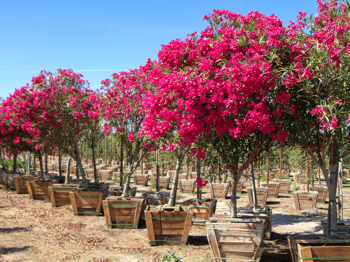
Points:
(122, 213)
(299, 177)
(187, 186)
(155, 198)
(86, 202)
(284, 185)
(10, 180)
(313, 248)
(105, 174)
(118, 191)
(343, 228)
(236, 239)
(59, 194)
(141, 180)
(168, 225)
(164, 181)
(218, 190)
(273, 189)
(202, 209)
(305, 200)
(322, 193)
(261, 195)
(39, 189)
(20, 183)
(99, 186)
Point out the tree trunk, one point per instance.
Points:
(267, 171)
(198, 174)
(69, 161)
(176, 180)
(59, 163)
(157, 170)
(81, 169)
(255, 200)
(41, 164)
(233, 201)
(332, 206)
(94, 159)
(14, 163)
(46, 169)
(2, 161)
(121, 163)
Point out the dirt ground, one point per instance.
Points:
(32, 230)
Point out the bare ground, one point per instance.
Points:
(31, 230)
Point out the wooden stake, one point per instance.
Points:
(281, 163)
(267, 170)
(311, 172)
(157, 169)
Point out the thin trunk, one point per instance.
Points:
(41, 164)
(311, 172)
(267, 171)
(157, 170)
(172, 198)
(81, 169)
(69, 161)
(59, 163)
(198, 175)
(141, 165)
(332, 206)
(121, 163)
(2, 161)
(255, 200)
(27, 164)
(14, 163)
(260, 173)
(308, 178)
(281, 163)
(46, 169)
(34, 162)
(340, 191)
(94, 159)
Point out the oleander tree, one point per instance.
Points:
(219, 87)
(121, 108)
(57, 110)
(318, 81)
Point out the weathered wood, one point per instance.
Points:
(187, 186)
(155, 198)
(273, 189)
(218, 190)
(59, 195)
(261, 195)
(305, 200)
(322, 193)
(20, 183)
(38, 190)
(140, 179)
(86, 202)
(123, 213)
(202, 209)
(168, 225)
(235, 240)
(284, 185)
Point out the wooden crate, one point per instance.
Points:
(343, 228)
(261, 195)
(123, 212)
(39, 190)
(155, 198)
(316, 248)
(236, 239)
(141, 180)
(284, 185)
(299, 177)
(20, 183)
(59, 194)
(118, 191)
(218, 190)
(273, 189)
(187, 186)
(322, 193)
(202, 209)
(168, 225)
(105, 174)
(86, 202)
(164, 181)
(305, 200)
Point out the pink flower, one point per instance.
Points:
(17, 140)
(200, 183)
(131, 137)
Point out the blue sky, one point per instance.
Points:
(98, 38)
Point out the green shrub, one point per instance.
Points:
(171, 257)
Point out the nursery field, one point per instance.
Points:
(32, 230)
